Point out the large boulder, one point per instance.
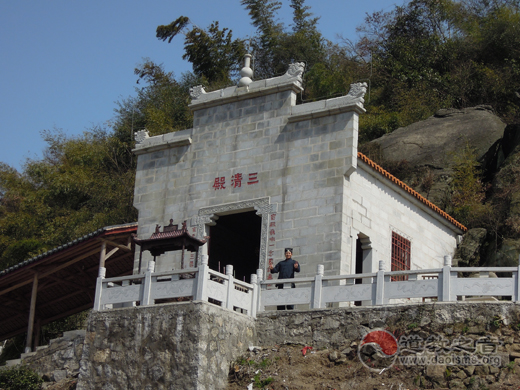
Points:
(435, 141)
(424, 152)
(423, 155)
(468, 252)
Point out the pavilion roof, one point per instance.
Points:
(170, 239)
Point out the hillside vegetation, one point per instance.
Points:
(424, 56)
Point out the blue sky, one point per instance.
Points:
(64, 63)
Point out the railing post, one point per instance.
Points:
(446, 280)
(254, 298)
(380, 285)
(99, 288)
(147, 286)
(260, 276)
(517, 298)
(202, 279)
(231, 286)
(316, 302)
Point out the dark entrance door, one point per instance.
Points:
(359, 264)
(235, 240)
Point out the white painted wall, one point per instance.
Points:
(377, 207)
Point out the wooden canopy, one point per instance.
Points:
(61, 282)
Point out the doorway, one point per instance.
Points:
(235, 240)
(363, 258)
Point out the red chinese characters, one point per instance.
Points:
(272, 239)
(219, 183)
(192, 255)
(236, 181)
(253, 178)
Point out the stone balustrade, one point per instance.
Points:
(445, 284)
(200, 283)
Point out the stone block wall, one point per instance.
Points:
(60, 359)
(174, 346)
(336, 328)
(191, 345)
(445, 330)
(291, 161)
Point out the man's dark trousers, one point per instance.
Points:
(282, 307)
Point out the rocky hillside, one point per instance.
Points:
(457, 346)
(468, 163)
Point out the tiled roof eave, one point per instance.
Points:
(104, 231)
(377, 168)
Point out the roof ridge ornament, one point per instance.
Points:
(197, 91)
(358, 91)
(246, 72)
(141, 135)
(296, 69)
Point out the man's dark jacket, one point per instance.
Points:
(286, 269)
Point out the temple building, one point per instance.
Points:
(258, 173)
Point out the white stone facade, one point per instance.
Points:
(253, 148)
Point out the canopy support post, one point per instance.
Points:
(102, 254)
(32, 310)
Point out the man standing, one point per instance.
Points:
(286, 268)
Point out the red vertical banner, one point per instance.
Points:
(192, 254)
(271, 246)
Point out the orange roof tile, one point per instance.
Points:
(412, 192)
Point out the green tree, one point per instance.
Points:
(161, 104)
(274, 46)
(432, 54)
(468, 190)
(213, 52)
(81, 184)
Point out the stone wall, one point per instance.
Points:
(60, 359)
(440, 328)
(192, 345)
(173, 346)
(259, 152)
(338, 327)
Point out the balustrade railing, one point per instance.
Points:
(442, 284)
(199, 283)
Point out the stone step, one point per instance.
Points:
(41, 347)
(27, 354)
(13, 362)
(72, 334)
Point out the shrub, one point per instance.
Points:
(19, 378)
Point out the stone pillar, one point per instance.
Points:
(99, 289)
(380, 285)
(446, 280)
(230, 286)
(254, 298)
(202, 279)
(147, 288)
(316, 301)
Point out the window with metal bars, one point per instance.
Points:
(400, 256)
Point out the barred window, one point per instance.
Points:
(400, 255)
